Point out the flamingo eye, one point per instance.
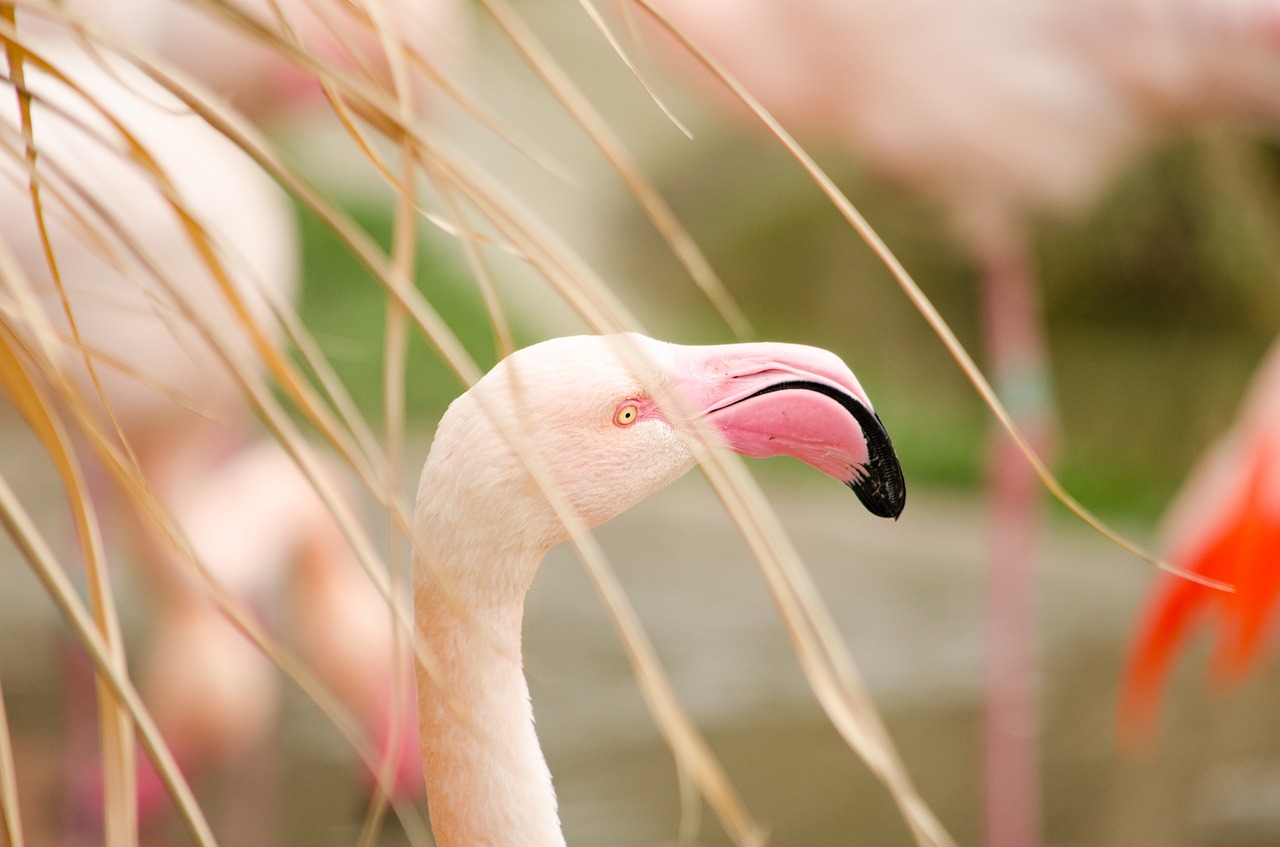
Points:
(627, 414)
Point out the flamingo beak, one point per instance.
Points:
(769, 399)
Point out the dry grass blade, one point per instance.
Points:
(33, 547)
(598, 130)
(125, 471)
(116, 729)
(395, 356)
(10, 813)
(598, 20)
(141, 498)
(694, 756)
(486, 118)
(361, 246)
(247, 622)
(343, 89)
(247, 376)
(540, 158)
(117, 738)
(568, 275)
(690, 808)
(28, 398)
(204, 246)
(823, 655)
(926, 308)
(433, 327)
(440, 81)
(286, 374)
(242, 371)
(365, 458)
(504, 341)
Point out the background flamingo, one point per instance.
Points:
(1001, 110)
(607, 436)
(250, 516)
(253, 76)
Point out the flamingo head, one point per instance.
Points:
(606, 421)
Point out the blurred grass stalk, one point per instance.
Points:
(298, 397)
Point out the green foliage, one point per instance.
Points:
(345, 308)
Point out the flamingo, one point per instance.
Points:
(1000, 110)
(1224, 524)
(604, 435)
(215, 692)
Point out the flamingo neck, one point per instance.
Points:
(487, 781)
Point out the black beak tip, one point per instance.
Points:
(880, 484)
(884, 496)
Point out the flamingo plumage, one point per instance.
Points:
(1224, 524)
(593, 424)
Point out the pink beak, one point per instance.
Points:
(769, 399)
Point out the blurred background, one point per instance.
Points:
(1159, 297)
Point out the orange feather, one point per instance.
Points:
(1241, 549)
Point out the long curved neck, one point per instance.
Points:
(487, 781)
(481, 528)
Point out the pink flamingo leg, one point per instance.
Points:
(1016, 350)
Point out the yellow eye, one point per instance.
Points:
(626, 414)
